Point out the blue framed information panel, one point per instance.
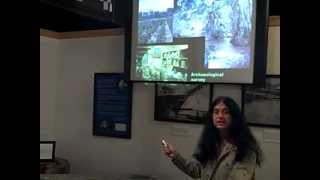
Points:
(112, 105)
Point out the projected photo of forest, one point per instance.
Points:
(225, 24)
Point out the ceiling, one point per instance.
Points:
(274, 7)
(60, 20)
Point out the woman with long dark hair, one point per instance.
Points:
(227, 150)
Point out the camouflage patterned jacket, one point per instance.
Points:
(223, 168)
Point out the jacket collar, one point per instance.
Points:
(226, 150)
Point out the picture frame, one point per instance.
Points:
(47, 150)
(261, 105)
(182, 102)
(112, 105)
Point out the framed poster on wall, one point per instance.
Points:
(186, 103)
(112, 105)
(261, 106)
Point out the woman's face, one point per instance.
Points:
(221, 116)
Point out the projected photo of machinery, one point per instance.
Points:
(225, 24)
(182, 102)
(163, 62)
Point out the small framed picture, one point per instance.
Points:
(47, 150)
(187, 103)
(261, 105)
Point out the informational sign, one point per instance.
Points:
(112, 105)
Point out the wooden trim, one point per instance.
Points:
(92, 33)
(82, 34)
(274, 20)
(51, 34)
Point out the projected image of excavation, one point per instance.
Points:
(226, 26)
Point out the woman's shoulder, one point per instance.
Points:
(250, 157)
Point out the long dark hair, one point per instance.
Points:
(239, 133)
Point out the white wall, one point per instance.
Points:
(49, 58)
(273, 63)
(72, 120)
